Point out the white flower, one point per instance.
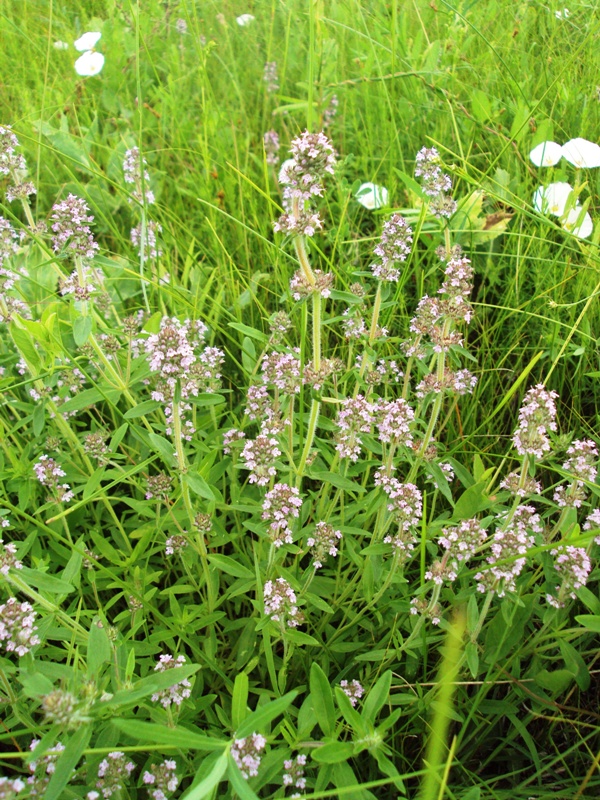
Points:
(90, 63)
(552, 199)
(87, 41)
(546, 154)
(244, 19)
(61, 45)
(580, 228)
(284, 178)
(372, 196)
(564, 14)
(582, 153)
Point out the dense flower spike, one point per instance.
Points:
(13, 164)
(573, 566)
(436, 184)
(259, 456)
(313, 159)
(394, 421)
(178, 692)
(280, 507)
(301, 288)
(113, 771)
(461, 543)
(293, 775)
(9, 245)
(280, 603)
(160, 779)
(7, 556)
(353, 689)
(324, 542)
(42, 770)
(136, 174)
(152, 248)
(270, 76)
(393, 248)
(509, 547)
(71, 232)
(271, 144)
(246, 754)
(48, 472)
(536, 417)
(355, 417)
(582, 464)
(159, 486)
(282, 370)
(17, 629)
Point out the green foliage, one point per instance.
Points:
(164, 548)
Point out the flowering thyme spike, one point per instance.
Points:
(17, 631)
(582, 464)
(42, 770)
(162, 779)
(436, 184)
(113, 771)
(280, 603)
(48, 472)
(136, 174)
(393, 248)
(270, 76)
(13, 164)
(536, 417)
(324, 542)
(353, 689)
(176, 693)
(280, 506)
(573, 565)
(70, 228)
(246, 754)
(271, 144)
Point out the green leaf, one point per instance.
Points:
(239, 700)
(339, 481)
(472, 501)
(322, 699)
(248, 355)
(99, 651)
(300, 638)
(333, 752)
(252, 332)
(141, 409)
(555, 681)
(39, 419)
(198, 485)
(45, 583)
(377, 696)
(206, 399)
(82, 327)
(589, 621)
(230, 566)
(24, 344)
(238, 783)
(350, 714)
(163, 447)
(480, 105)
(260, 718)
(207, 784)
(87, 398)
(180, 738)
(67, 761)
(472, 656)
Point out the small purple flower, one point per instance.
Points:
(135, 173)
(17, 629)
(113, 771)
(393, 248)
(280, 603)
(324, 542)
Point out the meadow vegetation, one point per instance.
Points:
(299, 377)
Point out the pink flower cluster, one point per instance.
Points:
(178, 692)
(246, 754)
(280, 506)
(280, 603)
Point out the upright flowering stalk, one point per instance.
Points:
(313, 159)
(143, 235)
(72, 238)
(14, 166)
